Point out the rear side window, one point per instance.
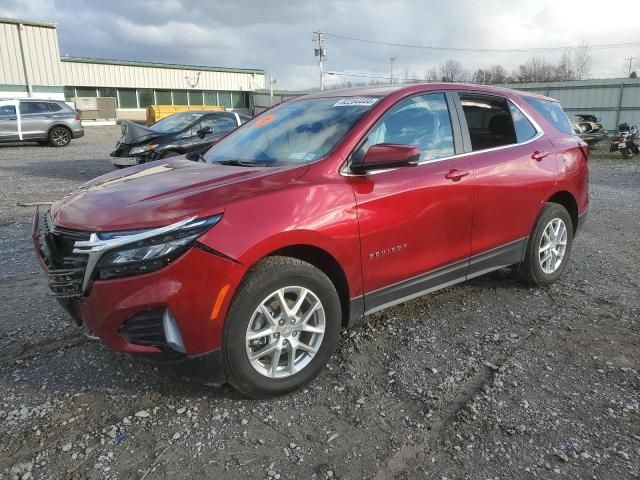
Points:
(524, 128)
(55, 107)
(553, 113)
(34, 107)
(489, 121)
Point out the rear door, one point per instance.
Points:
(8, 121)
(515, 171)
(36, 117)
(415, 222)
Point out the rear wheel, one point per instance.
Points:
(59, 137)
(549, 247)
(281, 329)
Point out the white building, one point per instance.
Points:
(32, 67)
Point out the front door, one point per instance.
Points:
(415, 222)
(8, 121)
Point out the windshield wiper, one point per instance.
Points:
(239, 163)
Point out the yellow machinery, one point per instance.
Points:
(157, 112)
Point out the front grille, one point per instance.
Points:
(66, 269)
(145, 328)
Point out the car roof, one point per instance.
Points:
(386, 90)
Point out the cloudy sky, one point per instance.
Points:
(277, 35)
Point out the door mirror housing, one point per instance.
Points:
(205, 131)
(387, 155)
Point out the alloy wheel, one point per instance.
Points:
(553, 245)
(285, 332)
(60, 137)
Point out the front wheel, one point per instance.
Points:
(548, 248)
(282, 327)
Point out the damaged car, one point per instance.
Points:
(175, 135)
(589, 128)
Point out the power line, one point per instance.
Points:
(480, 50)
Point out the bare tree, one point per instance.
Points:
(452, 71)
(498, 74)
(431, 75)
(581, 60)
(537, 69)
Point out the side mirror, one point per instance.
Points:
(205, 131)
(388, 155)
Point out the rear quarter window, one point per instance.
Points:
(553, 113)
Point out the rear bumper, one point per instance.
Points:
(77, 132)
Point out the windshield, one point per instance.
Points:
(297, 132)
(176, 122)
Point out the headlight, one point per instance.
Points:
(142, 149)
(148, 254)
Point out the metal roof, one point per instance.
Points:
(17, 21)
(174, 66)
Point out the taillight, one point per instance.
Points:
(77, 116)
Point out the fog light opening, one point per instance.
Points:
(172, 333)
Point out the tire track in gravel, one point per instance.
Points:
(447, 412)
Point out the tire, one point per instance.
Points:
(59, 136)
(169, 154)
(271, 275)
(533, 270)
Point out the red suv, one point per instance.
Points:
(244, 266)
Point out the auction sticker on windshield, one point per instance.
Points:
(355, 101)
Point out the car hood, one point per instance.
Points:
(162, 192)
(133, 133)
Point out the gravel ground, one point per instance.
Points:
(489, 379)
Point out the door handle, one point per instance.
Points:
(455, 174)
(538, 156)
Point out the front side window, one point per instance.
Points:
(422, 121)
(489, 121)
(34, 108)
(218, 123)
(295, 132)
(553, 113)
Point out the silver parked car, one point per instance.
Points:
(50, 122)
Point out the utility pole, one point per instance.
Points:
(272, 82)
(630, 59)
(391, 60)
(321, 53)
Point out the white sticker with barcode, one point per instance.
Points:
(356, 101)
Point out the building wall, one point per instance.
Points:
(86, 73)
(134, 84)
(41, 55)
